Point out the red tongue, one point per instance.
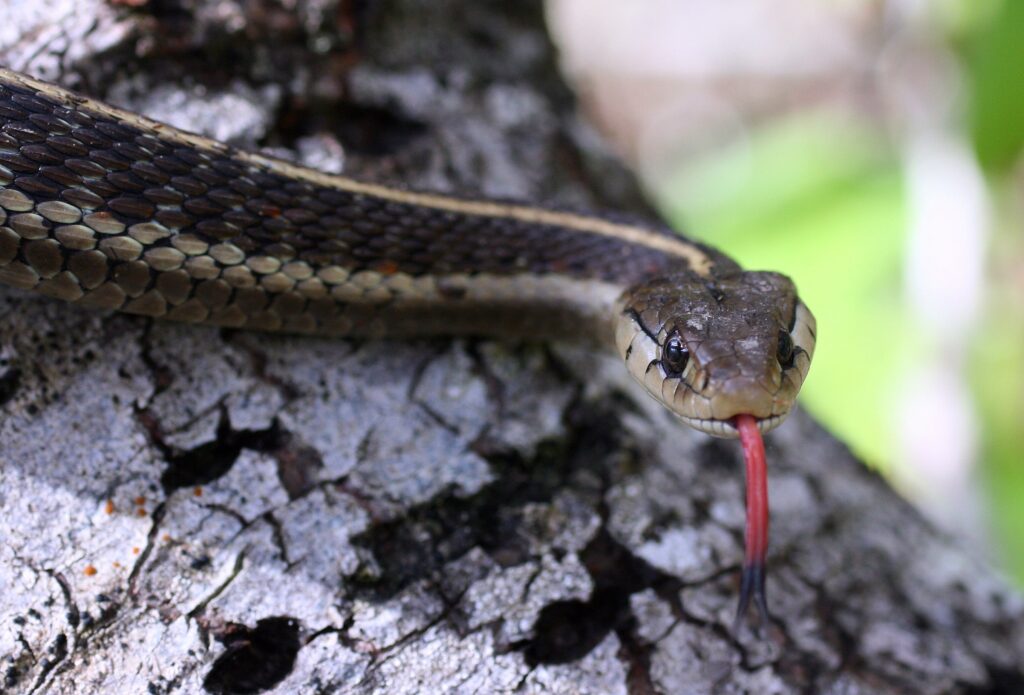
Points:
(757, 519)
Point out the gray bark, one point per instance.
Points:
(185, 508)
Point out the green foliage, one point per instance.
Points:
(996, 73)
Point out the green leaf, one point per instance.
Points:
(997, 85)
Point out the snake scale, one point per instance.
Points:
(110, 210)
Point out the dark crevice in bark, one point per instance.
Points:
(362, 130)
(55, 654)
(10, 380)
(637, 656)
(210, 461)
(297, 463)
(1002, 681)
(569, 630)
(256, 658)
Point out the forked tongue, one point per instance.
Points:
(757, 520)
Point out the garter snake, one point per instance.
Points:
(110, 210)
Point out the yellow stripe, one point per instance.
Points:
(633, 234)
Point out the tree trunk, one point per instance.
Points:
(186, 508)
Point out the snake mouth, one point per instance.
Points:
(726, 429)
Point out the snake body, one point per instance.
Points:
(111, 210)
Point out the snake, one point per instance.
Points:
(110, 210)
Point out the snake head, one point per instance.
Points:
(710, 348)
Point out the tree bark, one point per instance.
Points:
(186, 509)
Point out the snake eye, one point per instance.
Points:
(674, 357)
(785, 353)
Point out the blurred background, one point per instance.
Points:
(872, 150)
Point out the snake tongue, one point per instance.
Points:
(757, 520)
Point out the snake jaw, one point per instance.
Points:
(726, 429)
